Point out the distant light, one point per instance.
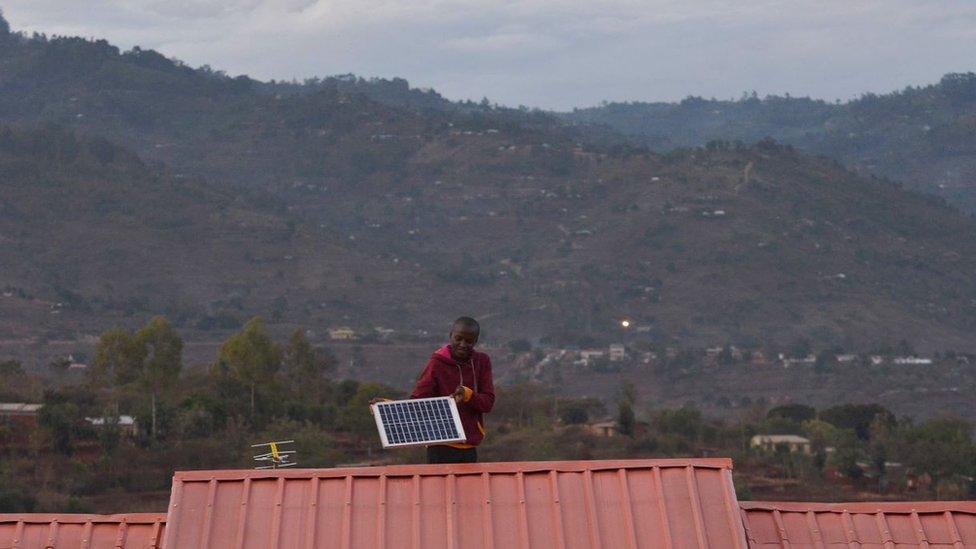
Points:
(625, 323)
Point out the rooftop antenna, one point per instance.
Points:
(277, 457)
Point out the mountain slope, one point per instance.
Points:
(923, 137)
(92, 236)
(328, 207)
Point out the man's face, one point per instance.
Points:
(463, 340)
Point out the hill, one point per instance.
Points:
(319, 205)
(921, 136)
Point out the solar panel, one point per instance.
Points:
(418, 421)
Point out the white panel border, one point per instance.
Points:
(455, 416)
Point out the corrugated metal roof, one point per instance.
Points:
(889, 525)
(73, 531)
(677, 503)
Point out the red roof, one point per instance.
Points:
(632, 504)
(898, 525)
(70, 531)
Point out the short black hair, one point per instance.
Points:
(467, 322)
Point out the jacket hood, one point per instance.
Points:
(444, 355)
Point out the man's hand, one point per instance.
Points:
(459, 394)
(376, 400)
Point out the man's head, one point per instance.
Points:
(464, 336)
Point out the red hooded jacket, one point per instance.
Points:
(443, 375)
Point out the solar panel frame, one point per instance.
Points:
(429, 430)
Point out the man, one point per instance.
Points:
(458, 370)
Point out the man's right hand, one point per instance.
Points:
(377, 400)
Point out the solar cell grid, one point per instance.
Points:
(418, 421)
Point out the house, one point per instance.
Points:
(876, 360)
(771, 443)
(846, 359)
(759, 358)
(617, 352)
(603, 428)
(18, 409)
(342, 334)
(808, 360)
(592, 354)
(75, 364)
(384, 334)
(912, 361)
(126, 424)
(19, 414)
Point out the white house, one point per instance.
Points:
(342, 334)
(912, 360)
(617, 352)
(591, 354)
(126, 424)
(770, 443)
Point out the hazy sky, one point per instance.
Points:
(547, 53)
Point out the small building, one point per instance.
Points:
(912, 361)
(759, 358)
(342, 334)
(603, 428)
(19, 410)
(18, 417)
(617, 352)
(808, 360)
(592, 354)
(771, 443)
(126, 424)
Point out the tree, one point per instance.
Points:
(161, 350)
(305, 367)
(626, 422)
(847, 453)
(857, 417)
(800, 348)
(11, 368)
(59, 366)
(63, 416)
(821, 435)
(117, 358)
(573, 414)
(4, 27)
(252, 357)
(879, 448)
(794, 412)
(11, 375)
(354, 417)
(685, 422)
(519, 346)
(941, 447)
(725, 356)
